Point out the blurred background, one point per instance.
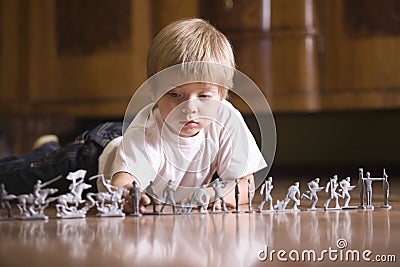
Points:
(328, 68)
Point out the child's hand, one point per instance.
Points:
(144, 201)
(218, 205)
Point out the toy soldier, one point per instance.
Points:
(5, 203)
(265, 190)
(331, 187)
(361, 187)
(218, 185)
(237, 196)
(292, 194)
(386, 191)
(346, 187)
(153, 196)
(368, 189)
(168, 195)
(200, 197)
(135, 195)
(250, 196)
(314, 188)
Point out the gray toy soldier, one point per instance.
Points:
(314, 188)
(331, 188)
(361, 187)
(135, 195)
(292, 194)
(200, 197)
(37, 201)
(368, 188)
(168, 195)
(218, 185)
(237, 197)
(153, 196)
(250, 191)
(5, 203)
(386, 204)
(265, 190)
(346, 187)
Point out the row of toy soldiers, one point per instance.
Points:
(334, 189)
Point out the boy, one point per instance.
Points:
(189, 131)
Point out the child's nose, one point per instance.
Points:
(189, 106)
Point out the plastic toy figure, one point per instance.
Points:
(385, 191)
(218, 185)
(37, 201)
(110, 203)
(68, 204)
(168, 195)
(201, 198)
(361, 187)
(368, 188)
(331, 188)
(346, 187)
(135, 195)
(5, 203)
(237, 197)
(314, 188)
(250, 192)
(292, 194)
(153, 198)
(265, 190)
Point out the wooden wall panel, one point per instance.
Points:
(359, 67)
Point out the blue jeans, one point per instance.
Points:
(20, 173)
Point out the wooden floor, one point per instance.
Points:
(207, 240)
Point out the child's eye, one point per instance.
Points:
(205, 96)
(174, 94)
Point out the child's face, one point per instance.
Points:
(188, 108)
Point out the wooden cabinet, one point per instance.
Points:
(360, 57)
(81, 59)
(275, 44)
(72, 57)
(315, 55)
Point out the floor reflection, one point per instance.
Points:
(195, 240)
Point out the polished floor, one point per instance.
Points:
(330, 238)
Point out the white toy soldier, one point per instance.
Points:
(314, 188)
(368, 188)
(168, 195)
(361, 187)
(67, 204)
(37, 201)
(265, 190)
(250, 192)
(346, 187)
(5, 203)
(218, 185)
(386, 191)
(153, 196)
(135, 195)
(200, 197)
(292, 194)
(331, 188)
(109, 203)
(237, 197)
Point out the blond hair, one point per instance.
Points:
(189, 40)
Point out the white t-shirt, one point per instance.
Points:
(150, 151)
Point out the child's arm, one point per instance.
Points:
(124, 179)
